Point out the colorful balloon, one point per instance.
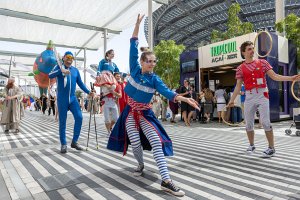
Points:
(43, 65)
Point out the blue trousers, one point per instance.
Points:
(75, 110)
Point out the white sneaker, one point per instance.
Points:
(251, 149)
(139, 170)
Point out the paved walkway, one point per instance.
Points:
(209, 163)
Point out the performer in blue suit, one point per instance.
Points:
(106, 64)
(137, 124)
(105, 78)
(67, 77)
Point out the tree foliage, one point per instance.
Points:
(235, 27)
(291, 25)
(78, 93)
(168, 66)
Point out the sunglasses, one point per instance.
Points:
(150, 61)
(69, 57)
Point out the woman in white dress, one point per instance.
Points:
(220, 98)
(156, 104)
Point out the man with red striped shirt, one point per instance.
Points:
(252, 72)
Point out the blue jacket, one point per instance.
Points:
(141, 87)
(108, 66)
(73, 78)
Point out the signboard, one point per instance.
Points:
(190, 66)
(223, 53)
(283, 53)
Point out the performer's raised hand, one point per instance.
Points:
(193, 103)
(65, 71)
(140, 18)
(92, 93)
(190, 101)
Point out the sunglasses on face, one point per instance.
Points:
(69, 57)
(150, 61)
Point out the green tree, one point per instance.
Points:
(78, 93)
(234, 24)
(216, 36)
(235, 27)
(291, 25)
(168, 65)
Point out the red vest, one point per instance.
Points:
(250, 77)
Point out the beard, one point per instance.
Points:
(10, 85)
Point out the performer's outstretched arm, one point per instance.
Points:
(139, 19)
(161, 87)
(80, 83)
(277, 77)
(134, 54)
(173, 96)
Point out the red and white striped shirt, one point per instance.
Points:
(251, 66)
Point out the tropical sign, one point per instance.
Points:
(223, 53)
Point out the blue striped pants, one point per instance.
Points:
(154, 140)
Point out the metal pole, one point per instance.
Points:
(105, 41)
(84, 66)
(150, 25)
(75, 60)
(18, 80)
(29, 84)
(279, 13)
(10, 66)
(25, 86)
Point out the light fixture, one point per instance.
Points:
(226, 67)
(219, 72)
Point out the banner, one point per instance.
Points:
(226, 52)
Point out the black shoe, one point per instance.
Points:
(17, 131)
(269, 152)
(139, 170)
(76, 146)
(63, 149)
(171, 188)
(6, 131)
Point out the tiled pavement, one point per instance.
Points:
(209, 163)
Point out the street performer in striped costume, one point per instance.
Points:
(137, 124)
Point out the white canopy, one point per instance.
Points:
(75, 24)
